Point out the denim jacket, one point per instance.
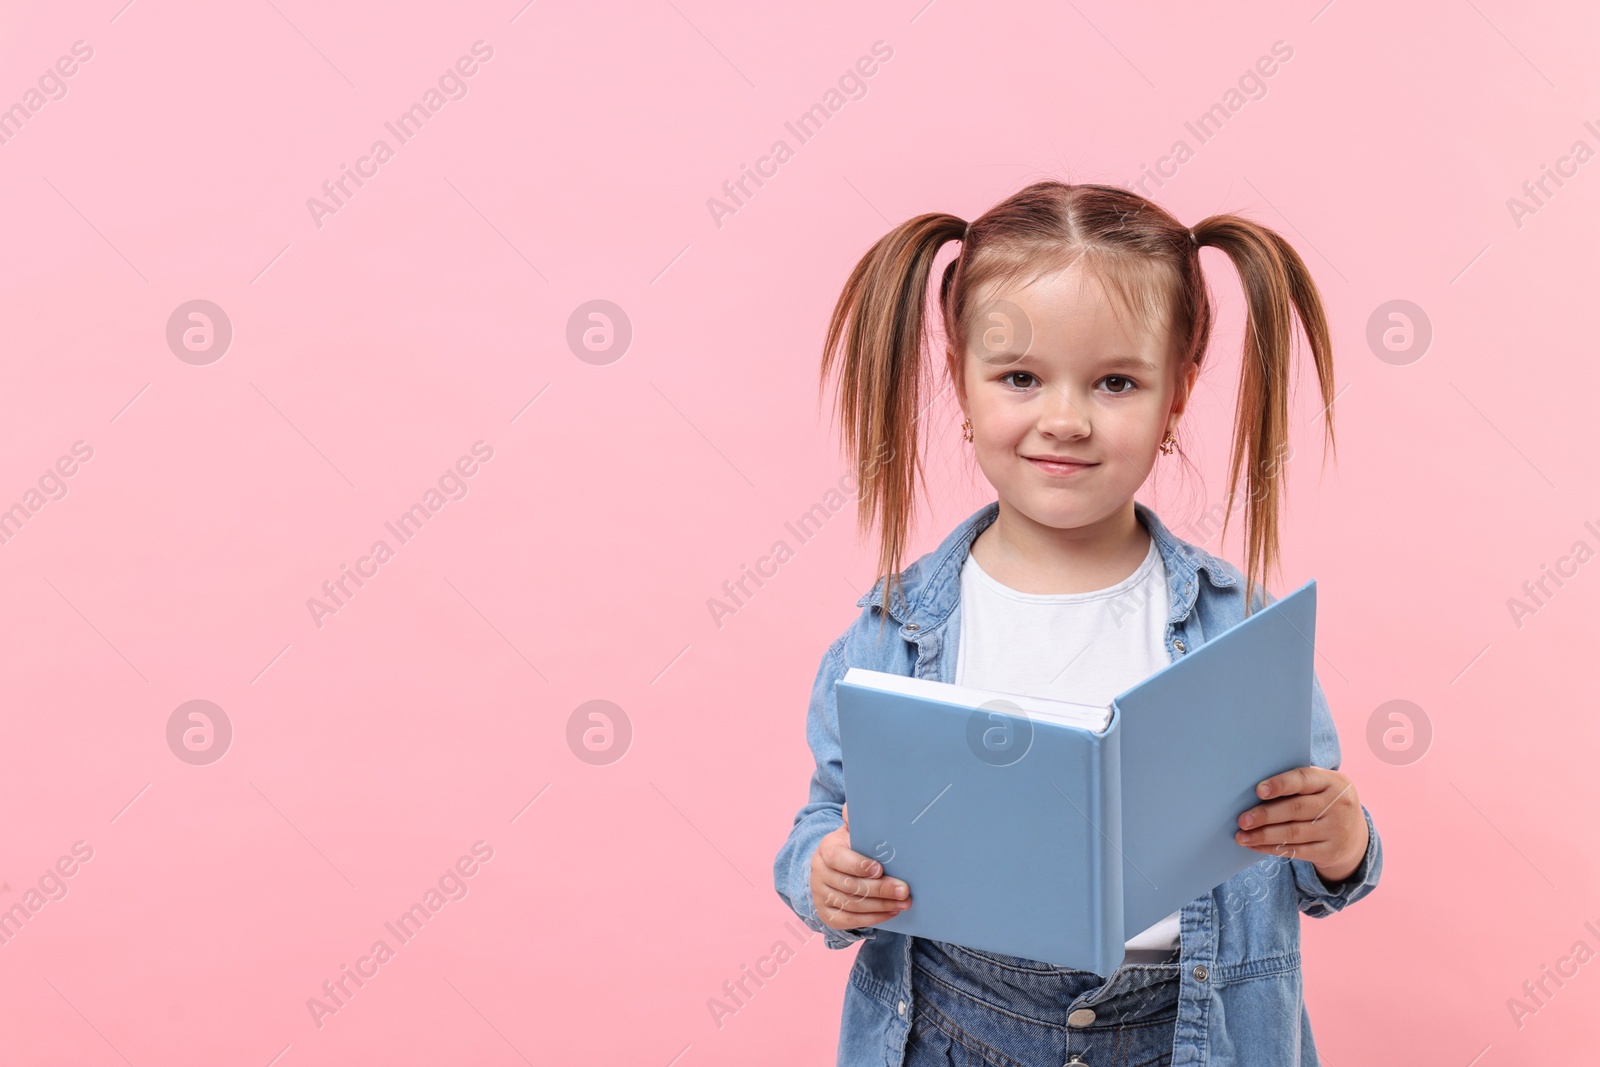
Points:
(1241, 997)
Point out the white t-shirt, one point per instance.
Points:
(1082, 647)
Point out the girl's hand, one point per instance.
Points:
(1318, 819)
(848, 888)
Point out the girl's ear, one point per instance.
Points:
(1185, 391)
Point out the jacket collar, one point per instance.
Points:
(931, 586)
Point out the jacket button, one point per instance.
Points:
(1200, 972)
(902, 1007)
(1177, 643)
(912, 626)
(1081, 1017)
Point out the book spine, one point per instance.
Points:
(1109, 861)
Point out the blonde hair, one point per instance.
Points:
(1150, 266)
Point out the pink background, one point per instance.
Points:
(431, 312)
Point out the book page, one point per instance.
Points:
(1083, 716)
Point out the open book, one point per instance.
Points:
(1054, 831)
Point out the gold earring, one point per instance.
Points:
(966, 429)
(1169, 444)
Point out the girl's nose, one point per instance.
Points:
(1064, 416)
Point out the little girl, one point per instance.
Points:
(1077, 317)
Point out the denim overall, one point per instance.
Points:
(975, 1007)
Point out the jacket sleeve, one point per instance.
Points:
(823, 812)
(1317, 898)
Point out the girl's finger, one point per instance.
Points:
(1299, 780)
(1284, 833)
(855, 920)
(1316, 852)
(860, 888)
(846, 859)
(1295, 808)
(842, 891)
(857, 905)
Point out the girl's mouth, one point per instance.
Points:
(1059, 469)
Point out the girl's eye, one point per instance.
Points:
(1127, 384)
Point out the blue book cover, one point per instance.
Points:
(1055, 831)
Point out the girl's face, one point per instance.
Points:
(1090, 389)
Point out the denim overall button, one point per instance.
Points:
(902, 1007)
(1081, 1017)
(1177, 643)
(1200, 972)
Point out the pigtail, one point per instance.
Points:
(876, 338)
(1276, 286)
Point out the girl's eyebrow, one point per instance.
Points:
(1122, 360)
(1133, 362)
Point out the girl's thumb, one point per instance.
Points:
(844, 809)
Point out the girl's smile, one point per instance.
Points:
(1059, 469)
